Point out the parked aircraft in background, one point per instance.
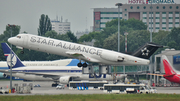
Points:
(63, 62)
(61, 74)
(170, 73)
(83, 52)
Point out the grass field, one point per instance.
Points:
(95, 97)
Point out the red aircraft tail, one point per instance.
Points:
(169, 71)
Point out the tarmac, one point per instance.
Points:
(46, 89)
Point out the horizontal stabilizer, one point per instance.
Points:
(155, 74)
(169, 75)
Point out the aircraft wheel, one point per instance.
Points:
(79, 64)
(85, 65)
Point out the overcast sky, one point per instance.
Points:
(26, 13)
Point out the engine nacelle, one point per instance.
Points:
(4, 75)
(64, 80)
(111, 56)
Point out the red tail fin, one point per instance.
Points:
(167, 66)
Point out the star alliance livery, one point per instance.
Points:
(83, 52)
(58, 74)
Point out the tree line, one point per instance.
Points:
(107, 38)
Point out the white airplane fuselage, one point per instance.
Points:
(42, 73)
(79, 51)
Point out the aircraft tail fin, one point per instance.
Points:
(168, 68)
(16, 62)
(146, 50)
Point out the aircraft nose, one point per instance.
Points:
(11, 40)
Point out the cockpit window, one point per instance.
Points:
(19, 37)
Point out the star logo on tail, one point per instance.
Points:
(145, 51)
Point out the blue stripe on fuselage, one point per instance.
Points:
(47, 70)
(4, 68)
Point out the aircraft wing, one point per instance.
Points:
(82, 56)
(49, 74)
(45, 75)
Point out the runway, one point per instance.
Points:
(47, 89)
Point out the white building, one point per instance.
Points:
(60, 27)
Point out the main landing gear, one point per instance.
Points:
(22, 52)
(55, 84)
(82, 65)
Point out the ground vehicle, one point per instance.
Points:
(60, 86)
(144, 89)
(37, 85)
(4, 90)
(125, 88)
(152, 90)
(82, 85)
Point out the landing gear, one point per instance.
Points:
(54, 85)
(82, 65)
(85, 65)
(22, 52)
(79, 64)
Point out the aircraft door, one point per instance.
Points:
(25, 41)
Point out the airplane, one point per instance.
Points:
(83, 52)
(58, 74)
(61, 62)
(170, 73)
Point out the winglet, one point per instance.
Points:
(146, 50)
(16, 62)
(168, 68)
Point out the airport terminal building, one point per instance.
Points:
(164, 15)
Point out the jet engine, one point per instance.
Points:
(4, 75)
(64, 80)
(111, 56)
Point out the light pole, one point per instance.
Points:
(126, 33)
(118, 4)
(151, 41)
(10, 26)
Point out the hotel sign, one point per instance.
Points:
(150, 1)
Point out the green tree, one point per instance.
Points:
(136, 39)
(44, 25)
(89, 37)
(4, 37)
(112, 28)
(172, 40)
(7, 33)
(160, 37)
(172, 44)
(51, 34)
(72, 37)
(111, 42)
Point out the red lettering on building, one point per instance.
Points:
(136, 2)
(97, 15)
